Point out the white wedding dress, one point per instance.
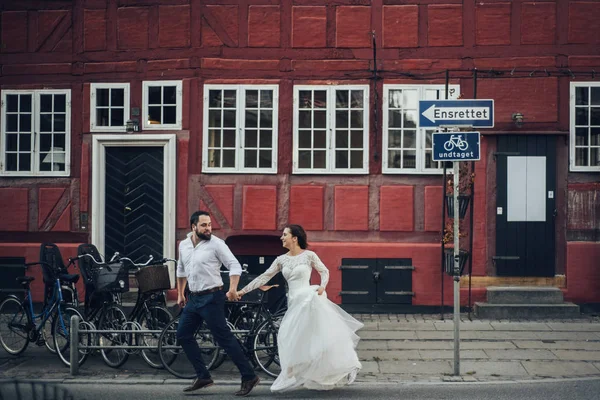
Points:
(317, 339)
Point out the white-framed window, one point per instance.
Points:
(585, 126)
(162, 104)
(109, 107)
(331, 129)
(240, 128)
(407, 148)
(36, 132)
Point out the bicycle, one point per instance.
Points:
(259, 343)
(456, 141)
(18, 319)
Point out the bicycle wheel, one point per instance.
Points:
(155, 318)
(264, 349)
(173, 357)
(13, 326)
(61, 327)
(48, 333)
(113, 319)
(221, 356)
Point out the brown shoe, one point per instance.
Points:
(199, 383)
(247, 386)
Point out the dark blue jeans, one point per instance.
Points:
(210, 308)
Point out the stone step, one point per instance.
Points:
(526, 311)
(524, 295)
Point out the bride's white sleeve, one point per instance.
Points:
(264, 277)
(321, 269)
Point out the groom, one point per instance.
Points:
(200, 259)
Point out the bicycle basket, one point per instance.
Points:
(114, 279)
(153, 278)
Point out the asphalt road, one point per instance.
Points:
(531, 390)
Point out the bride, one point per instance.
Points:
(317, 339)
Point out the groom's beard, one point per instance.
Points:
(204, 236)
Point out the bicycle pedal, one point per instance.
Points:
(40, 342)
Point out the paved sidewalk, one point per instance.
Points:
(393, 348)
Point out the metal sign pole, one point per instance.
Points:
(456, 272)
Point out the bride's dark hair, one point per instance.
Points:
(298, 231)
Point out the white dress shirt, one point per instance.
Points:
(201, 264)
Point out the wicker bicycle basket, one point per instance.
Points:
(153, 278)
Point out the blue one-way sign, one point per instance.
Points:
(456, 146)
(479, 113)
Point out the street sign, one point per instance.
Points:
(456, 146)
(477, 113)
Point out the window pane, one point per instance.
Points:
(395, 99)
(356, 139)
(266, 138)
(59, 123)
(581, 136)
(154, 95)
(304, 139)
(266, 99)
(46, 123)
(250, 138)
(250, 158)
(170, 114)
(410, 99)
(214, 118)
(60, 103)
(410, 119)
(409, 159)
(264, 161)
(410, 139)
(595, 95)
(230, 98)
(102, 116)
(25, 105)
(169, 95)
(304, 159)
(117, 97)
(394, 158)
(214, 138)
(46, 103)
(320, 99)
(305, 99)
(24, 162)
(11, 162)
(395, 139)
(45, 142)
(304, 119)
(356, 119)
(341, 99)
(154, 116)
(266, 119)
(229, 138)
(229, 119)
(594, 157)
(12, 102)
(117, 117)
(581, 116)
(251, 98)
(319, 160)
(341, 139)
(395, 119)
(595, 117)
(251, 118)
(12, 124)
(356, 159)
(581, 154)
(341, 159)
(595, 137)
(429, 163)
(341, 119)
(214, 158)
(11, 141)
(228, 158)
(320, 119)
(59, 140)
(214, 99)
(357, 99)
(320, 139)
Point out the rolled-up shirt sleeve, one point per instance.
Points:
(228, 259)
(180, 268)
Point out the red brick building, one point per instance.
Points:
(266, 112)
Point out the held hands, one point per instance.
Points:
(233, 295)
(320, 290)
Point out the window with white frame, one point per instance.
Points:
(36, 133)
(585, 126)
(407, 147)
(240, 128)
(331, 129)
(162, 103)
(109, 105)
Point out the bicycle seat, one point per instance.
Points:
(70, 278)
(25, 279)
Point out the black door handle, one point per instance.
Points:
(376, 277)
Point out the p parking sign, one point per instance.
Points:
(456, 146)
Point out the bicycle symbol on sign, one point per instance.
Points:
(456, 141)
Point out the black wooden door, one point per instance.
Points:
(525, 205)
(359, 282)
(394, 283)
(134, 202)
